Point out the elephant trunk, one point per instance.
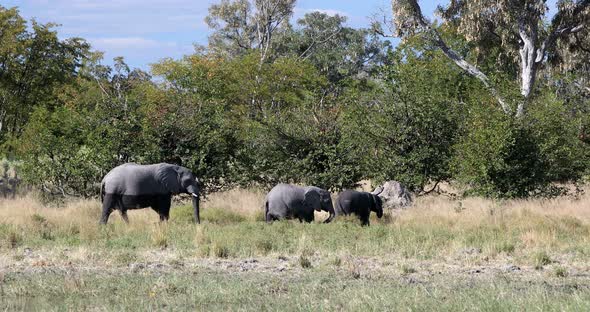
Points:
(332, 215)
(196, 207)
(194, 192)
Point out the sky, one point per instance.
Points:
(145, 31)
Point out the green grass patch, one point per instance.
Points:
(312, 289)
(541, 259)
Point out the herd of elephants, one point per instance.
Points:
(133, 186)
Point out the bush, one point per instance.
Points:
(56, 157)
(406, 127)
(504, 157)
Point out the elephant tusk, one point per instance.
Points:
(195, 195)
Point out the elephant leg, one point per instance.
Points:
(164, 216)
(163, 207)
(309, 217)
(124, 215)
(269, 218)
(108, 203)
(364, 220)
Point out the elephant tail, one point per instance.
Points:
(266, 217)
(102, 191)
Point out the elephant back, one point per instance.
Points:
(133, 179)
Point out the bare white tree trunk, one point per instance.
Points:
(531, 57)
(532, 52)
(528, 64)
(463, 64)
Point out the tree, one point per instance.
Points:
(241, 26)
(406, 128)
(515, 26)
(336, 50)
(34, 65)
(67, 149)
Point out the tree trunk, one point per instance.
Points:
(530, 57)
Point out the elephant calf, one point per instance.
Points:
(287, 201)
(132, 186)
(359, 203)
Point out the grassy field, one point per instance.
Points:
(441, 254)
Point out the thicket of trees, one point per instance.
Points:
(313, 102)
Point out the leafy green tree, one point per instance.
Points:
(339, 52)
(34, 65)
(189, 120)
(501, 157)
(56, 156)
(516, 27)
(407, 126)
(68, 149)
(243, 26)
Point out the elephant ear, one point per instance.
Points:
(378, 190)
(312, 199)
(167, 176)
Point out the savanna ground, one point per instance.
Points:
(441, 254)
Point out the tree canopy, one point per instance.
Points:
(494, 99)
(513, 30)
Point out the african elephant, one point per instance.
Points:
(287, 201)
(359, 203)
(132, 186)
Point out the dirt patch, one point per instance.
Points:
(68, 261)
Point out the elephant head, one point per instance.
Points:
(377, 202)
(177, 179)
(190, 185)
(377, 205)
(315, 195)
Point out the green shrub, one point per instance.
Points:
(220, 250)
(304, 262)
(513, 158)
(221, 216)
(560, 271)
(541, 259)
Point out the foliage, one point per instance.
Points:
(499, 158)
(407, 127)
(339, 52)
(505, 158)
(241, 26)
(316, 103)
(68, 149)
(56, 156)
(292, 133)
(34, 67)
(515, 30)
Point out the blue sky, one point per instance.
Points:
(144, 31)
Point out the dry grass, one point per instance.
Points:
(249, 203)
(434, 210)
(434, 226)
(476, 211)
(424, 254)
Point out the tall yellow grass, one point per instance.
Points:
(428, 210)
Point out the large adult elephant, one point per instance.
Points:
(133, 186)
(286, 201)
(359, 203)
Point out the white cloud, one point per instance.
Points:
(143, 31)
(301, 12)
(125, 43)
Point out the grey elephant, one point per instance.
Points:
(359, 203)
(133, 186)
(287, 201)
